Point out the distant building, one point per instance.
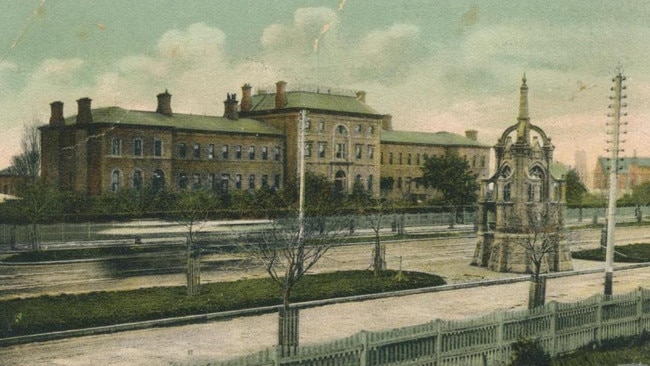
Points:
(10, 182)
(632, 172)
(254, 144)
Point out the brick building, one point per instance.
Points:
(254, 143)
(632, 172)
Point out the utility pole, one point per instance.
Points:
(301, 173)
(615, 125)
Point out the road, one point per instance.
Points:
(225, 339)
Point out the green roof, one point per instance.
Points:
(312, 100)
(559, 170)
(119, 115)
(428, 138)
(624, 163)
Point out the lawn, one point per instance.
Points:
(64, 312)
(628, 351)
(632, 253)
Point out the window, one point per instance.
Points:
(276, 181)
(321, 126)
(342, 130)
(211, 181)
(474, 158)
(371, 130)
(251, 153)
(400, 158)
(251, 181)
(224, 152)
(357, 151)
(371, 152)
(408, 159)
(137, 147)
(381, 157)
(307, 124)
(137, 180)
(225, 179)
(265, 153)
(308, 149)
(482, 161)
(399, 182)
(340, 151)
(196, 181)
(157, 148)
(265, 180)
(370, 183)
(157, 180)
(357, 129)
(506, 192)
(182, 150)
(182, 181)
(116, 146)
(238, 152)
(321, 149)
(115, 181)
(390, 158)
(211, 151)
(196, 153)
(238, 181)
(276, 153)
(417, 159)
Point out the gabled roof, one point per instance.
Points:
(624, 163)
(119, 115)
(312, 100)
(429, 138)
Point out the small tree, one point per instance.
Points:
(192, 209)
(452, 176)
(575, 189)
(539, 234)
(28, 162)
(288, 249)
(39, 202)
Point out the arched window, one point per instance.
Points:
(137, 179)
(157, 180)
(115, 181)
(507, 192)
(340, 182)
(182, 181)
(341, 130)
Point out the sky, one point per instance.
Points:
(447, 65)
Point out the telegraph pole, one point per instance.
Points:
(301, 173)
(615, 125)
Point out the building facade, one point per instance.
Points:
(254, 144)
(632, 172)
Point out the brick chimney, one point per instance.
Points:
(387, 122)
(280, 94)
(84, 115)
(472, 135)
(164, 104)
(361, 96)
(230, 107)
(56, 117)
(246, 98)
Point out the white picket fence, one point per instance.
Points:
(488, 340)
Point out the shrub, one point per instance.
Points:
(527, 352)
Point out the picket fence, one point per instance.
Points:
(488, 340)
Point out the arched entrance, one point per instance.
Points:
(340, 181)
(158, 180)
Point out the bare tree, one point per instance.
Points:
(39, 202)
(539, 234)
(28, 162)
(192, 209)
(288, 249)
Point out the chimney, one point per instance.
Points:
(361, 96)
(246, 97)
(280, 94)
(230, 107)
(56, 118)
(387, 122)
(472, 135)
(164, 104)
(83, 111)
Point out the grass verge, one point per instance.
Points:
(631, 253)
(63, 312)
(619, 351)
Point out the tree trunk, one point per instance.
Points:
(193, 270)
(537, 292)
(288, 327)
(34, 238)
(378, 260)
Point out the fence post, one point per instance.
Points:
(437, 329)
(553, 309)
(639, 310)
(363, 357)
(599, 319)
